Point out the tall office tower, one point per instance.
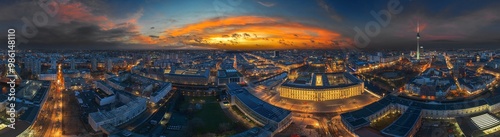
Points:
(28, 64)
(73, 63)
(94, 64)
(109, 65)
(422, 52)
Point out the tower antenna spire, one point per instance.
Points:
(418, 38)
(418, 26)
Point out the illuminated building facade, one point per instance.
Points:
(229, 76)
(107, 121)
(322, 87)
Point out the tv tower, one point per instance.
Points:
(418, 38)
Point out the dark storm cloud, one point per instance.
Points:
(78, 34)
(17, 10)
(77, 25)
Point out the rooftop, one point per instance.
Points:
(485, 121)
(189, 72)
(404, 124)
(117, 112)
(229, 73)
(325, 80)
(262, 108)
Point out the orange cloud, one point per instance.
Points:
(141, 39)
(239, 32)
(220, 22)
(256, 32)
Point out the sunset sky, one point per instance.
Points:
(251, 24)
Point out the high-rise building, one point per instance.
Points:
(109, 65)
(53, 64)
(94, 64)
(73, 63)
(37, 66)
(422, 52)
(28, 64)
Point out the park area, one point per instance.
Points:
(205, 116)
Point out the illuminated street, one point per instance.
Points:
(250, 68)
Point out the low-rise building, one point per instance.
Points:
(413, 111)
(188, 76)
(228, 76)
(322, 87)
(273, 118)
(159, 91)
(475, 83)
(106, 121)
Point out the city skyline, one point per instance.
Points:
(254, 24)
(250, 68)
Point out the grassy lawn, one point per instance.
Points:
(210, 113)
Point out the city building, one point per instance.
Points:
(322, 87)
(109, 65)
(474, 84)
(229, 76)
(159, 91)
(406, 125)
(412, 111)
(430, 87)
(188, 76)
(334, 65)
(486, 124)
(73, 64)
(494, 64)
(430, 84)
(276, 54)
(50, 74)
(53, 64)
(94, 64)
(138, 85)
(272, 118)
(3, 102)
(104, 94)
(107, 121)
(379, 57)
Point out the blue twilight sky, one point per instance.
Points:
(252, 24)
